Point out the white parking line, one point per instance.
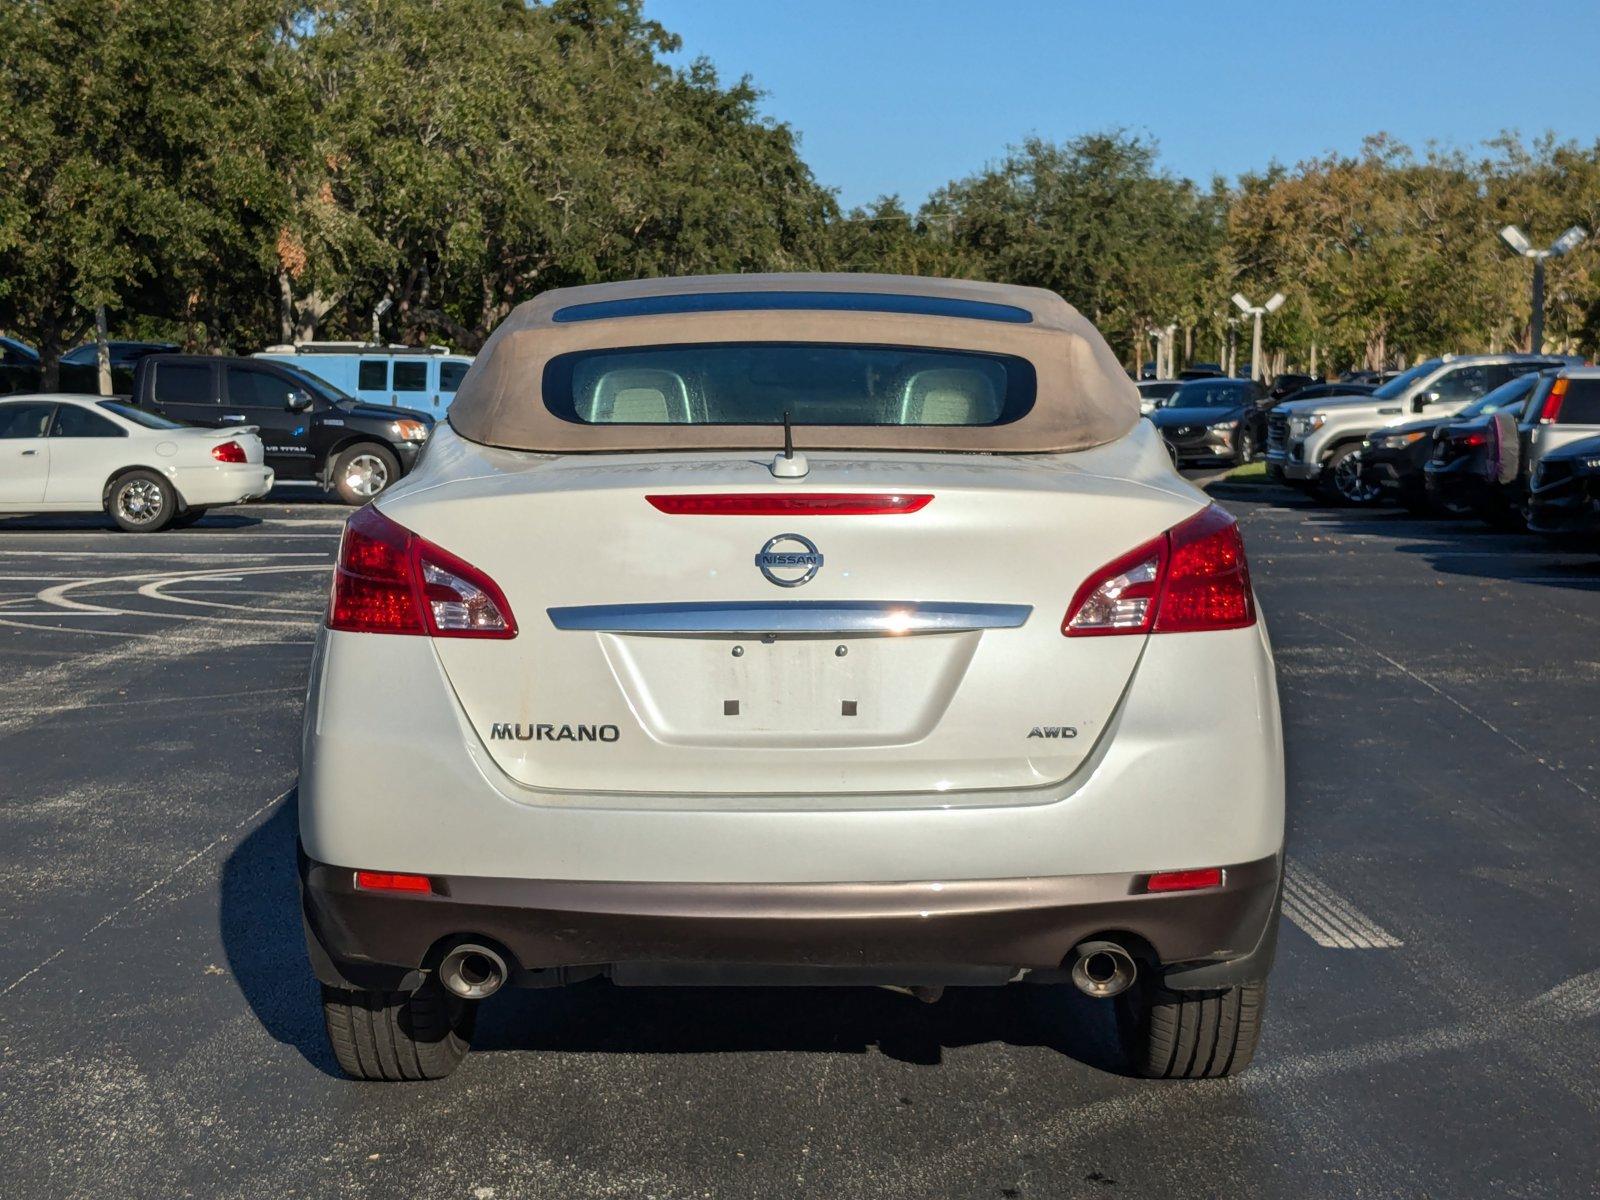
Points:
(1326, 917)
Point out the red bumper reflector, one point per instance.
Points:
(390, 881)
(1184, 881)
(815, 504)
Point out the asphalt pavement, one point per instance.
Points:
(1433, 1028)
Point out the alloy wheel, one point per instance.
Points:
(1348, 483)
(141, 502)
(366, 475)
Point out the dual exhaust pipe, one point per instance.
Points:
(1100, 969)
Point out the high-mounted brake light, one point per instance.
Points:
(1192, 578)
(392, 881)
(1184, 881)
(1550, 410)
(818, 504)
(389, 580)
(228, 452)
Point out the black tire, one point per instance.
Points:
(362, 472)
(142, 502)
(1244, 448)
(395, 1036)
(188, 517)
(1193, 1035)
(1339, 481)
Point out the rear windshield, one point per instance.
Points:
(1581, 406)
(1507, 395)
(138, 416)
(757, 383)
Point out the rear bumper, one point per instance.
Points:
(225, 483)
(953, 932)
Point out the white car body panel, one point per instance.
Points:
(70, 474)
(24, 471)
(400, 769)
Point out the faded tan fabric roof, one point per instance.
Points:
(1084, 396)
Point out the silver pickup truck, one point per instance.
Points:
(1316, 444)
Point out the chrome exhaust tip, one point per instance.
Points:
(1103, 970)
(472, 971)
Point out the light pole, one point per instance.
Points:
(1518, 241)
(1257, 311)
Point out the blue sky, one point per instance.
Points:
(902, 96)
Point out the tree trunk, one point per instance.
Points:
(285, 307)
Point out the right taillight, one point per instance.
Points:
(389, 580)
(1550, 410)
(1192, 578)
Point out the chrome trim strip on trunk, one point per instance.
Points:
(791, 616)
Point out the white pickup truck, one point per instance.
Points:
(1316, 444)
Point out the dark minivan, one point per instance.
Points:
(312, 431)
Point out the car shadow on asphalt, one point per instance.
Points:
(597, 1017)
(263, 939)
(265, 948)
(1460, 546)
(90, 523)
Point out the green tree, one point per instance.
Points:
(139, 158)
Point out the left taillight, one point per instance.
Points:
(1192, 578)
(390, 580)
(228, 452)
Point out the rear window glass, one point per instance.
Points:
(411, 377)
(1582, 403)
(75, 422)
(450, 375)
(184, 383)
(138, 416)
(373, 376)
(756, 383)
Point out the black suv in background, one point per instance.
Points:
(311, 430)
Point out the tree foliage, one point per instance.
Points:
(229, 174)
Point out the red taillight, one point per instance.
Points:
(1184, 881)
(819, 504)
(1208, 580)
(1192, 578)
(392, 881)
(1550, 411)
(1470, 438)
(389, 580)
(229, 452)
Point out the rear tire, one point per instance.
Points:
(395, 1036)
(142, 502)
(1193, 1035)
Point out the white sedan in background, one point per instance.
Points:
(86, 454)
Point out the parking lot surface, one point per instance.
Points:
(1434, 1020)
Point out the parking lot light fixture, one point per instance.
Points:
(1273, 304)
(1519, 243)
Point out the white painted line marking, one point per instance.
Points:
(1326, 917)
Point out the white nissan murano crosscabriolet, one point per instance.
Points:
(811, 629)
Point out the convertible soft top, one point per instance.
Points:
(1083, 396)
